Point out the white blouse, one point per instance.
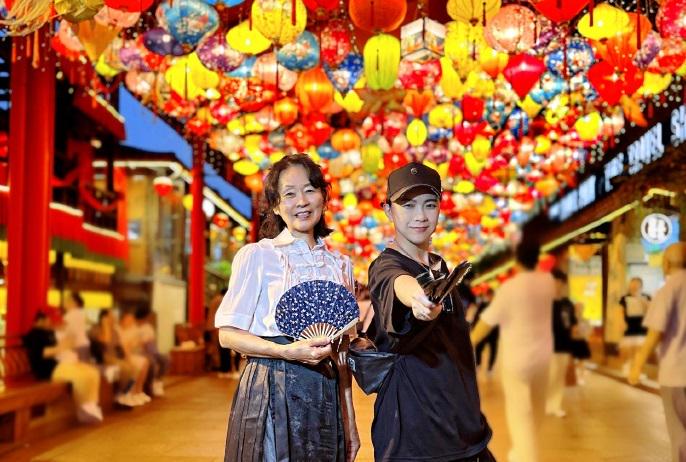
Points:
(263, 271)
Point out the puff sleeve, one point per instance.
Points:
(238, 306)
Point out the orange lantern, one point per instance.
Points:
(314, 90)
(286, 111)
(345, 139)
(254, 182)
(221, 220)
(512, 29)
(375, 15)
(163, 185)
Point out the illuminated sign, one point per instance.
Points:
(656, 228)
(645, 150)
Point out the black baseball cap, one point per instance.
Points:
(410, 176)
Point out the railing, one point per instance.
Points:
(96, 216)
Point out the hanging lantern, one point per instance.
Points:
(607, 21)
(189, 21)
(512, 30)
(473, 12)
(187, 202)
(326, 5)
(246, 167)
(217, 55)
(78, 11)
(286, 111)
(280, 21)
(254, 182)
(129, 5)
(161, 42)
(422, 40)
(335, 42)
(313, 89)
(416, 132)
(671, 19)
(163, 185)
(345, 139)
(463, 43)
(348, 73)
(560, 11)
(381, 61)
(419, 75)
(523, 71)
(208, 208)
(110, 17)
(247, 39)
(221, 220)
(611, 83)
(271, 73)
(472, 108)
(588, 127)
(377, 15)
(301, 54)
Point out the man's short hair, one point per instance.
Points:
(559, 275)
(527, 254)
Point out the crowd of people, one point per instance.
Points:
(119, 349)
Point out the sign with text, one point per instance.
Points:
(645, 150)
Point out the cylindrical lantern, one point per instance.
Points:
(375, 15)
(381, 61)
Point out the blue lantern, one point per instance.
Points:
(518, 123)
(245, 69)
(301, 54)
(161, 42)
(190, 21)
(579, 58)
(326, 151)
(348, 73)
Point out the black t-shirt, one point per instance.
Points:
(35, 341)
(428, 408)
(563, 321)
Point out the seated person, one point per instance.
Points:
(75, 325)
(108, 351)
(54, 359)
(129, 335)
(159, 363)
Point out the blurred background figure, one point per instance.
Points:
(634, 306)
(491, 340)
(131, 344)
(564, 320)
(666, 324)
(228, 363)
(159, 363)
(522, 307)
(53, 357)
(580, 348)
(75, 326)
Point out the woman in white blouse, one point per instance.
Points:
(294, 399)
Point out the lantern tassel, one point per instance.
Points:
(483, 18)
(36, 50)
(14, 50)
(638, 24)
(564, 56)
(651, 109)
(293, 12)
(591, 5)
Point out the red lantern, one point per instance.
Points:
(286, 111)
(254, 182)
(375, 15)
(129, 5)
(314, 90)
(318, 127)
(222, 112)
(417, 102)
(221, 220)
(611, 84)
(671, 19)
(523, 71)
(163, 185)
(456, 165)
(559, 11)
(345, 139)
(472, 108)
(335, 43)
(315, 5)
(298, 137)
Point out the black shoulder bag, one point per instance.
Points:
(370, 367)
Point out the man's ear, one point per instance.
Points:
(387, 210)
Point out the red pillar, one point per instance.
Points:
(196, 274)
(31, 146)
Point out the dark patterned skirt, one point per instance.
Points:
(284, 411)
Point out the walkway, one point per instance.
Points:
(607, 422)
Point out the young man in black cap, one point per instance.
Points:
(428, 407)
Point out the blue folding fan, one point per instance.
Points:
(316, 309)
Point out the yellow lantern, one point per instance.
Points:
(654, 84)
(239, 233)
(531, 107)
(474, 165)
(95, 37)
(187, 202)
(547, 186)
(103, 68)
(588, 127)
(247, 40)
(200, 75)
(245, 167)
(481, 147)
(451, 84)
(608, 21)
(351, 102)
(543, 145)
(381, 61)
(472, 11)
(445, 116)
(178, 76)
(371, 158)
(281, 21)
(416, 132)
(350, 201)
(462, 44)
(464, 187)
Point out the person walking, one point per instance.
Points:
(666, 324)
(522, 308)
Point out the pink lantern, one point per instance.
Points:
(523, 71)
(512, 29)
(268, 71)
(116, 18)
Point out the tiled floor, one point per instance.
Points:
(607, 422)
